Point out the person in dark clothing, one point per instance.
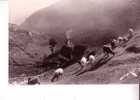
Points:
(113, 44)
(107, 50)
(66, 52)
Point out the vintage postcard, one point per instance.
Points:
(74, 42)
(56, 48)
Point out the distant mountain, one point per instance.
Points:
(89, 21)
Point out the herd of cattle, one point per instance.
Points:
(70, 54)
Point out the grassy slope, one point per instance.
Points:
(110, 72)
(36, 46)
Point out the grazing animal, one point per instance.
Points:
(91, 59)
(33, 81)
(130, 33)
(83, 62)
(120, 39)
(57, 73)
(107, 50)
(125, 39)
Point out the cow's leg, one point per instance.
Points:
(57, 77)
(53, 78)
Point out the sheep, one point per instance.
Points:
(120, 39)
(125, 39)
(130, 33)
(83, 62)
(91, 59)
(33, 81)
(107, 50)
(57, 73)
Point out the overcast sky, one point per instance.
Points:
(20, 9)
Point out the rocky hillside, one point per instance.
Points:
(25, 49)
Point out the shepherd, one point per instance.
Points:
(108, 50)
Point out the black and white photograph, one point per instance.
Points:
(74, 42)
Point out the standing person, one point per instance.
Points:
(113, 43)
(52, 44)
(107, 50)
(70, 45)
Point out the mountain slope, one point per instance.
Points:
(88, 19)
(110, 71)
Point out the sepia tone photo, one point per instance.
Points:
(74, 42)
